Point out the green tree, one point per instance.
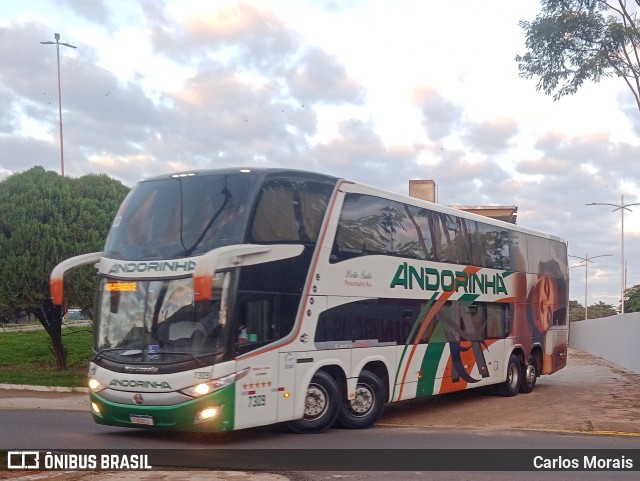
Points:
(573, 41)
(44, 219)
(632, 299)
(594, 311)
(601, 309)
(576, 311)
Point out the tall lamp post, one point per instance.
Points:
(57, 43)
(586, 259)
(621, 207)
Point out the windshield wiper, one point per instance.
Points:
(184, 353)
(127, 351)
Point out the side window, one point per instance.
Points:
(499, 321)
(438, 329)
(314, 200)
(290, 211)
(371, 225)
(358, 231)
(451, 239)
(421, 218)
(261, 320)
(489, 245)
(275, 218)
(538, 252)
(473, 318)
(369, 322)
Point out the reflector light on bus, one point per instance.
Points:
(121, 286)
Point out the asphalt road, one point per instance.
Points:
(592, 404)
(57, 430)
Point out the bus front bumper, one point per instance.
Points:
(212, 413)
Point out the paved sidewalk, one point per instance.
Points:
(589, 395)
(15, 396)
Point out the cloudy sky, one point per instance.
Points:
(379, 92)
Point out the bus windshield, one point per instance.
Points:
(181, 216)
(158, 320)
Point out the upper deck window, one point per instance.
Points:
(181, 216)
(290, 210)
(371, 225)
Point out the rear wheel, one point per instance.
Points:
(529, 376)
(511, 385)
(320, 405)
(365, 408)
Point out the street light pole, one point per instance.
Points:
(586, 259)
(621, 207)
(57, 43)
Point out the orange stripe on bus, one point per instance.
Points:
(445, 297)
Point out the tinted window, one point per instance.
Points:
(377, 321)
(451, 239)
(399, 321)
(489, 245)
(181, 217)
(290, 211)
(372, 225)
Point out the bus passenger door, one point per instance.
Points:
(256, 393)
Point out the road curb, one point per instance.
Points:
(60, 389)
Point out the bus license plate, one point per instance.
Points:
(141, 419)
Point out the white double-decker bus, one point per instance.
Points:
(228, 299)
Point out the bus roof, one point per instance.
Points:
(260, 171)
(350, 186)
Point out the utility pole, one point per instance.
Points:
(621, 207)
(57, 43)
(586, 259)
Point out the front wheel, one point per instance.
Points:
(365, 408)
(530, 375)
(320, 405)
(511, 385)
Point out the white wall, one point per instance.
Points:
(615, 338)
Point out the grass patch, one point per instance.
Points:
(25, 357)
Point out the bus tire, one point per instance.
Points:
(529, 376)
(320, 405)
(367, 406)
(511, 386)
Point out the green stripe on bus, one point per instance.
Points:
(421, 316)
(429, 368)
(468, 298)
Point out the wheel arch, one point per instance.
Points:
(379, 368)
(517, 351)
(338, 373)
(537, 354)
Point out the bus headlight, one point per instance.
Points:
(95, 385)
(215, 384)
